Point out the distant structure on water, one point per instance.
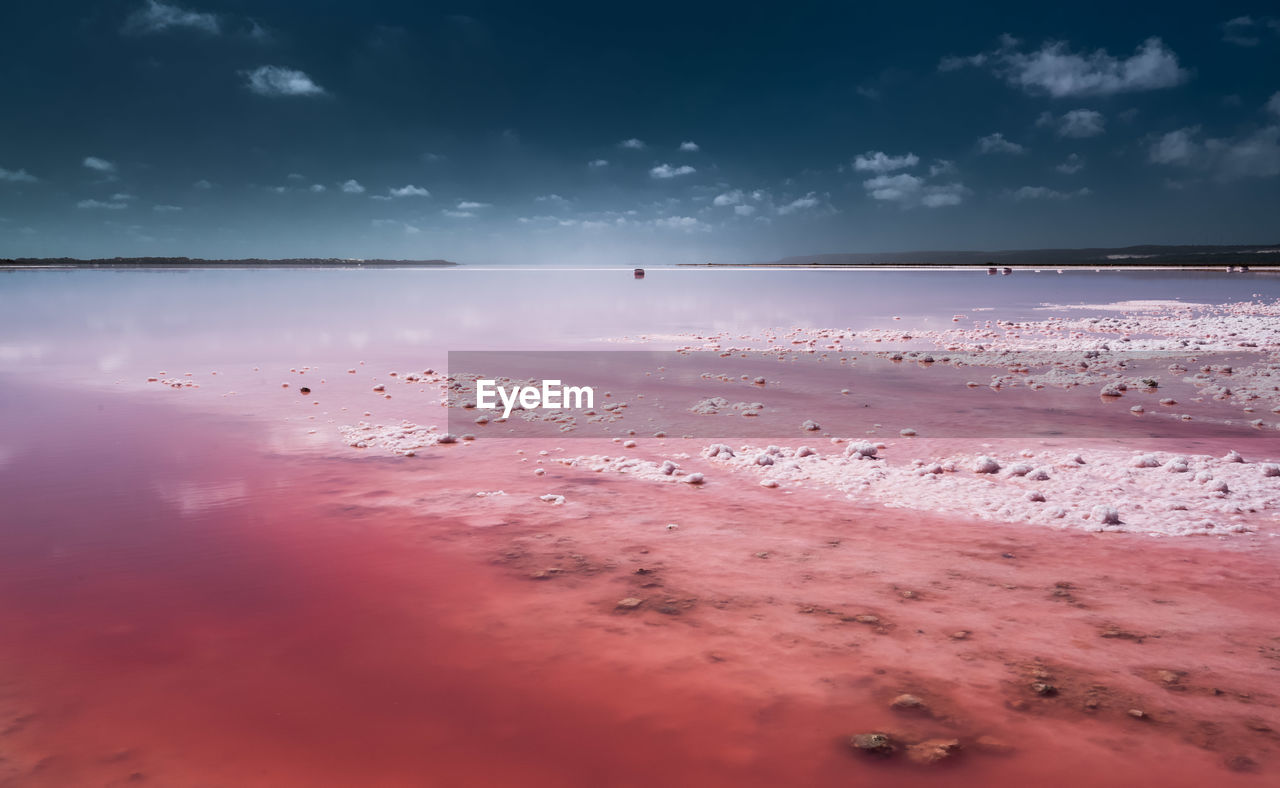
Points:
(639, 273)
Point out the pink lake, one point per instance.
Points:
(210, 585)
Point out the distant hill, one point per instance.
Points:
(196, 262)
(1193, 256)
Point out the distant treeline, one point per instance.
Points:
(1148, 255)
(196, 262)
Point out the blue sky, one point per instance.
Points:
(617, 134)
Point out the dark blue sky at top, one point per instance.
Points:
(499, 131)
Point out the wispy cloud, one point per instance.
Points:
(632, 144)
(166, 208)
(281, 81)
(910, 191)
(1045, 193)
(732, 197)
(597, 164)
(458, 214)
(666, 171)
(1055, 70)
(17, 176)
(405, 227)
(410, 191)
(799, 204)
(352, 187)
(112, 205)
(1253, 155)
(1245, 31)
(880, 162)
(1076, 124)
(688, 146)
(157, 17)
(101, 165)
(1072, 165)
(996, 143)
(941, 167)
(470, 205)
(203, 185)
(686, 223)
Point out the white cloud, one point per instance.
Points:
(17, 176)
(1175, 147)
(202, 184)
(410, 191)
(910, 191)
(1273, 104)
(953, 63)
(804, 203)
(458, 214)
(1045, 193)
(880, 162)
(596, 164)
(467, 205)
(114, 205)
(1076, 124)
(632, 144)
(166, 208)
(728, 198)
(686, 223)
(941, 167)
(408, 229)
(688, 146)
(281, 81)
(352, 187)
(996, 143)
(156, 17)
(1245, 31)
(1256, 155)
(101, 165)
(318, 188)
(665, 171)
(1056, 71)
(554, 199)
(1072, 165)
(744, 210)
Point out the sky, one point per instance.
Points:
(605, 134)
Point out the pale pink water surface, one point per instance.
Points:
(207, 585)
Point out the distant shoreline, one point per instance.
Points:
(196, 262)
(1113, 265)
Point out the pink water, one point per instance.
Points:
(195, 589)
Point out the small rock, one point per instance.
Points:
(1044, 690)
(1241, 763)
(933, 751)
(867, 619)
(1138, 714)
(908, 702)
(630, 603)
(961, 635)
(873, 744)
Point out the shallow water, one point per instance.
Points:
(203, 589)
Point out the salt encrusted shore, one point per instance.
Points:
(1090, 486)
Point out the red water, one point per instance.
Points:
(181, 606)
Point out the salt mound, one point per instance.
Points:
(986, 464)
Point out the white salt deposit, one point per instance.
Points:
(985, 464)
